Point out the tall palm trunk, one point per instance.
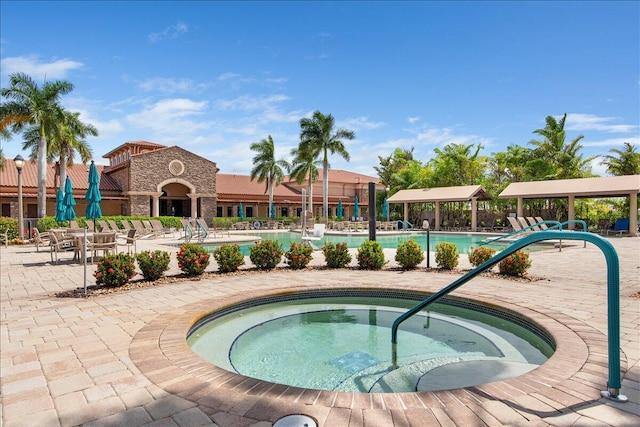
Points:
(325, 188)
(270, 184)
(63, 170)
(310, 194)
(42, 176)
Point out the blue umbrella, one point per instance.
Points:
(241, 212)
(93, 194)
(355, 207)
(385, 209)
(273, 210)
(339, 209)
(60, 209)
(69, 202)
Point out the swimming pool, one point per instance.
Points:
(344, 343)
(462, 241)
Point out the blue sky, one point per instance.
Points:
(214, 77)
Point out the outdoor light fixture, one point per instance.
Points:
(19, 161)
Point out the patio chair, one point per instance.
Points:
(105, 242)
(621, 226)
(604, 225)
(129, 240)
(59, 244)
(41, 239)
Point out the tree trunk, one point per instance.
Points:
(42, 176)
(63, 171)
(325, 189)
(310, 195)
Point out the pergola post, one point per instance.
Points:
(474, 214)
(520, 208)
(571, 211)
(437, 208)
(633, 213)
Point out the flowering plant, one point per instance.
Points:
(229, 258)
(192, 259)
(153, 264)
(480, 255)
(370, 255)
(266, 254)
(515, 264)
(298, 256)
(336, 255)
(447, 255)
(115, 270)
(409, 254)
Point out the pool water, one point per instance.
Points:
(462, 241)
(345, 344)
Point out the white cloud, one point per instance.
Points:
(165, 85)
(612, 142)
(39, 70)
(413, 120)
(359, 123)
(171, 117)
(250, 103)
(172, 31)
(583, 122)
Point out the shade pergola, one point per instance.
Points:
(615, 186)
(463, 193)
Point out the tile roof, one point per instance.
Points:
(579, 187)
(78, 173)
(343, 176)
(139, 143)
(243, 185)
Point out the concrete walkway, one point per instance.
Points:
(119, 359)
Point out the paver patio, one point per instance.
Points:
(120, 359)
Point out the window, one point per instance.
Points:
(229, 211)
(284, 212)
(219, 211)
(6, 209)
(248, 211)
(298, 211)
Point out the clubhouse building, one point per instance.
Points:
(149, 179)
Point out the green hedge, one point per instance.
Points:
(49, 222)
(10, 224)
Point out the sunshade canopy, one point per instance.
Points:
(613, 186)
(441, 194)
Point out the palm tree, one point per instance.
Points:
(30, 104)
(305, 165)
(622, 162)
(65, 141)
(553, 157)
(317, 136)
(266, 167)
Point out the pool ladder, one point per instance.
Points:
(613, 295)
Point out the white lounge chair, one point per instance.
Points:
(318, 234)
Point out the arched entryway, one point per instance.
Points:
(174, 200)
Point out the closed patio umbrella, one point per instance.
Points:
(241, 212)
(385, 210)
(93, 195)
(60, 209)
(356, 210)
(69, 202)
(273, 211)
(339, 209)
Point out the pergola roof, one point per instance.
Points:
(615, 186)
(441, 194)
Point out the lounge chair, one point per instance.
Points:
(104, 227)
(318, 234)
(542, 226)
(73, 224)
(515, 224)
(621, 226)
(114, 227)
(141, 229)
(533, 222)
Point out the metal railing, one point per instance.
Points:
(613, 295)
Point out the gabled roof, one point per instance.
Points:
(441, 194)
(142, 144)
(243, 185)
(613, 186)
(343, 176)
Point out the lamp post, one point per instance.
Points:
(19, 161)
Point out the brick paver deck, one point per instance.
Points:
(121, 359)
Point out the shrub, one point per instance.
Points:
(480, 255)
(229, 258)
(370, 255)
(266, 254)
(336, 255)
(299, 255)
(115, 270)
(192, 259)
(515, 264)
(48, 222)
(409, 254)
(447, 255)
(9, 225)
(153, 264)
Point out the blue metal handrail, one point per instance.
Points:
(613, 291)
(202, 232)
(188, 232)
(406, 225)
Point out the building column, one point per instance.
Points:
(406, 211)
(194, 204)
(155, 208)
(633, 213)
(474, 214)
(571, 214)
(437, 208)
